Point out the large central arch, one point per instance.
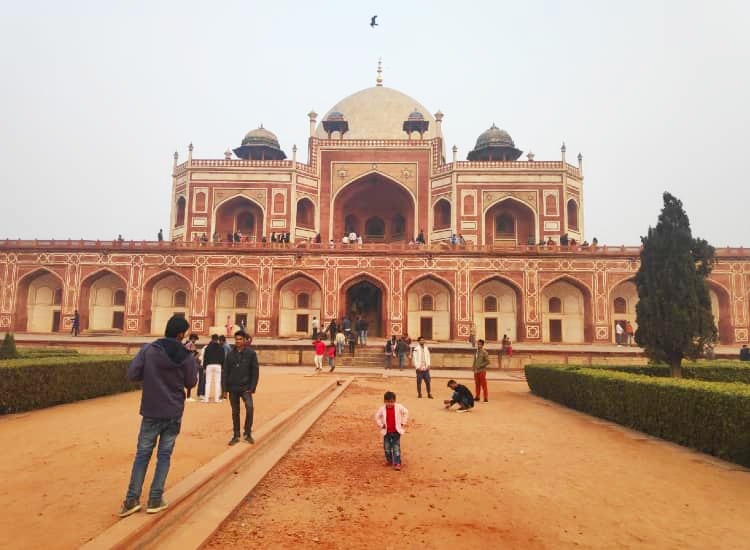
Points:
(509, 222)
(376, 207)
(366, 296)
(239, 214)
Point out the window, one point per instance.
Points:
(427, 303)
(241, 300)
(180, 298)
(302, 323)
(119, 297)
(573, 215)
(57, 297)
(374, 227)
(505, 225)
(179, 219)
(621, 305)
(468, 205)
(550, 205)
(555, 305)
(303, 300)
(305, 214)
(399, 225)
(200, 202)
(490, 303)
(442, 214)
(278, 203)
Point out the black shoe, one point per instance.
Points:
(249, 438)
(476, 398)
(429, 395)
(234, 440)
(155, 506)
(130, 506)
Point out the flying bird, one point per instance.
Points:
(373, 24)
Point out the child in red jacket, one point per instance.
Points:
(331, 353)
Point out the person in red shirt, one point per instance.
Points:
(320, 350)
(331, 353)
(391, 418)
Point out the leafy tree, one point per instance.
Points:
(8, 348)
(674, 307)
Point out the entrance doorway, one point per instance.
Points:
(425, 327)
(118, 320)
(490, 329)
(303, 322)
(56, 318)
(366, 300)
(555, 330)
(240, 319)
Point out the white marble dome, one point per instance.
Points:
(377, 113)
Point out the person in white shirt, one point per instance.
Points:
(352, 237)
(618, 333)
(421, 362)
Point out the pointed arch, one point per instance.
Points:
(509, 318)
(722, 310)
(623, 298)
(222, 302)
(294, 317)
(573, 214)
(27, 316)
(436, 322)
(525, 221)
(96, 314)
(156, 314)
(227, 222)
(376, 292)
(579, 325)
(441, 215)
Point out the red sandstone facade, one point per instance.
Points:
(387, 188)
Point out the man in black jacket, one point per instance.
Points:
(239, 377)
(461, 395)
(166, 369)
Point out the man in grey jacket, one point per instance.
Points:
(166, 369)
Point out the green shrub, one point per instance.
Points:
(35, 383)
(48, 352)
(713, 371)
(8, 348)
(711, 417)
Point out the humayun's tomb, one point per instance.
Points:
(377, 167)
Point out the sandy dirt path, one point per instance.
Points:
(518, 472)
(65, 469)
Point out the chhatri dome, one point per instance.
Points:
(260, 144)
(494, 144)
(377, 113)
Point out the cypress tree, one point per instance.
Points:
(8, 348)
(674, 307)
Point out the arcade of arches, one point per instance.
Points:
(375, 207)
(403, 292)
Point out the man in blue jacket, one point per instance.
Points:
(166, 369)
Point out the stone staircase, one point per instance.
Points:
(368, 356)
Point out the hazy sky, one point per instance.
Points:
(96, 96)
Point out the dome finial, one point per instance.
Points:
(379, 79)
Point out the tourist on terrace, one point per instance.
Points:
(166, 369)
(160, 236)
(594, 242)
(564, 239)
(352, 237)
(239, 378)
(420, 237)
(421, 362)
(462, 241)
(454, 240)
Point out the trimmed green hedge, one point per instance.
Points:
(714, 371)
(47, 352)
(35, 383)
(711, 417)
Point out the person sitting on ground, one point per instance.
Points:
(461, 395)
(744, 353)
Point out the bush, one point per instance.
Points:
(27, 384)
(8, 348)
(711, 417)
(713, 371)
(47, 352)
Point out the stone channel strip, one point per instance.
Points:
(200, 503)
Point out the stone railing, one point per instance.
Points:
(240, 163)
(471, 165)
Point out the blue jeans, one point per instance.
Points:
(423, 375)
(392, 447)
(401, 360)
(165, 430)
